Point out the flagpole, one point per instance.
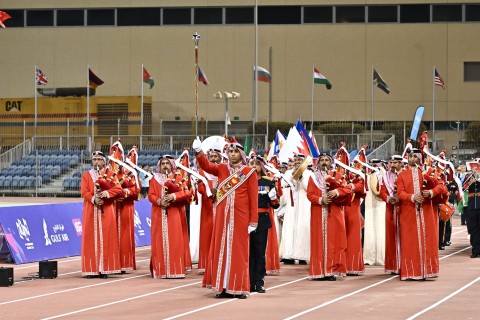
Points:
(196, 39)
(313, 95)
(36, 106)
(256, 73)
(433, 110)
(253, 99)
(141, 111)
(88, 102)
(371, 121)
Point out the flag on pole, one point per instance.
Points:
(263, 74)
(3, 16)
(147, 78)
(202, 77)
(40, 77)
(247, 145)
(303, 133)
(379, 82)
(93, 80)
(438, 80)
(320, 78)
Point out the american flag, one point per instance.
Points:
(40, 77)
(438, 80)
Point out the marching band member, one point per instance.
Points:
(99, 188)
(235, 218)
(328, 193)
(168, 195)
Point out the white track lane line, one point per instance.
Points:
(123, 300)
(72, 289)
(227, 301)
(443, 300)
(357, 291)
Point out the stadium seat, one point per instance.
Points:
(77, 174)
(22, 183)
(66, 183)
(30, 182)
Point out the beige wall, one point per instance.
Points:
(404, 54)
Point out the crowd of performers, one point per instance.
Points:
(331, 213)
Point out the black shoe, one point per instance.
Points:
(260, 289)
(241, 296)
(103, 276)
(288, 261)
(223, 295)
(448, 243)
(253, 289)
(123, 272)
(441, 248)
(475, 255)
(92, 276)
(331, 278)
(302, 262)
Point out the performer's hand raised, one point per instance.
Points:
(197, 145)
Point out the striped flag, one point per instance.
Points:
(379, 82)
(147, 78)
(202, 77)
(263, 74)
(93, 80)
(438, 79)
(320, 78)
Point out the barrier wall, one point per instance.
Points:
(51, 231)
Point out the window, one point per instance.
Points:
(350, 14)
(177, 16)
(318, 14)
(70, 18)
(239, 15)
(446, 12)
(138, 17)
(279, 15)
(101, 17)
(208, 16)
(411, 13)
(471, 71)
(472, 12)
(17, 19)
(382, 14)
(39, 18)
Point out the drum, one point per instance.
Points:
(446, 211)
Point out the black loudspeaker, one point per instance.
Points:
(6, 277)
(47, 269)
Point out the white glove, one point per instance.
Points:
(197, 145)
(272, 194)
(251, 229)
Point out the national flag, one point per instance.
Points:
(379, 82)
(202, 77)
(4, 16)
(438, 80)
(247, 145)
(93, 80)
(263, 74)
(294, 144)
(40, 77)
(320, 78)
(276, 145)
(303, 133)
(147, 78)
(312, 137)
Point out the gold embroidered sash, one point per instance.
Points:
(230, 184)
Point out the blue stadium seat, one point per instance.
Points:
(22, 183)
(66, 183)
(15, 182)
(30, 182)
(7, 184)
(77, 174)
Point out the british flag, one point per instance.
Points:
(40, 77)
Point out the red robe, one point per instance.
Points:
(392, 229)
(168, 247)
(126, 225)
(99, 230)
(206, 223)
(272, 255)
(353, 226)
(227, 266)
(328, 242)
(418, 232)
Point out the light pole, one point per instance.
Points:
(226, 96)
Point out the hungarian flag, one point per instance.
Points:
(40, 77)
(320, 78)
(202, 77)
(147, 78)
(379, 82)
(3, 16)
(93, 80)
(263, 74)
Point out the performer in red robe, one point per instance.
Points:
(236, 215)
(388, 193)
(328, 194)
(206, 215)
(168, 204)
(99, 253)
(418, 232)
